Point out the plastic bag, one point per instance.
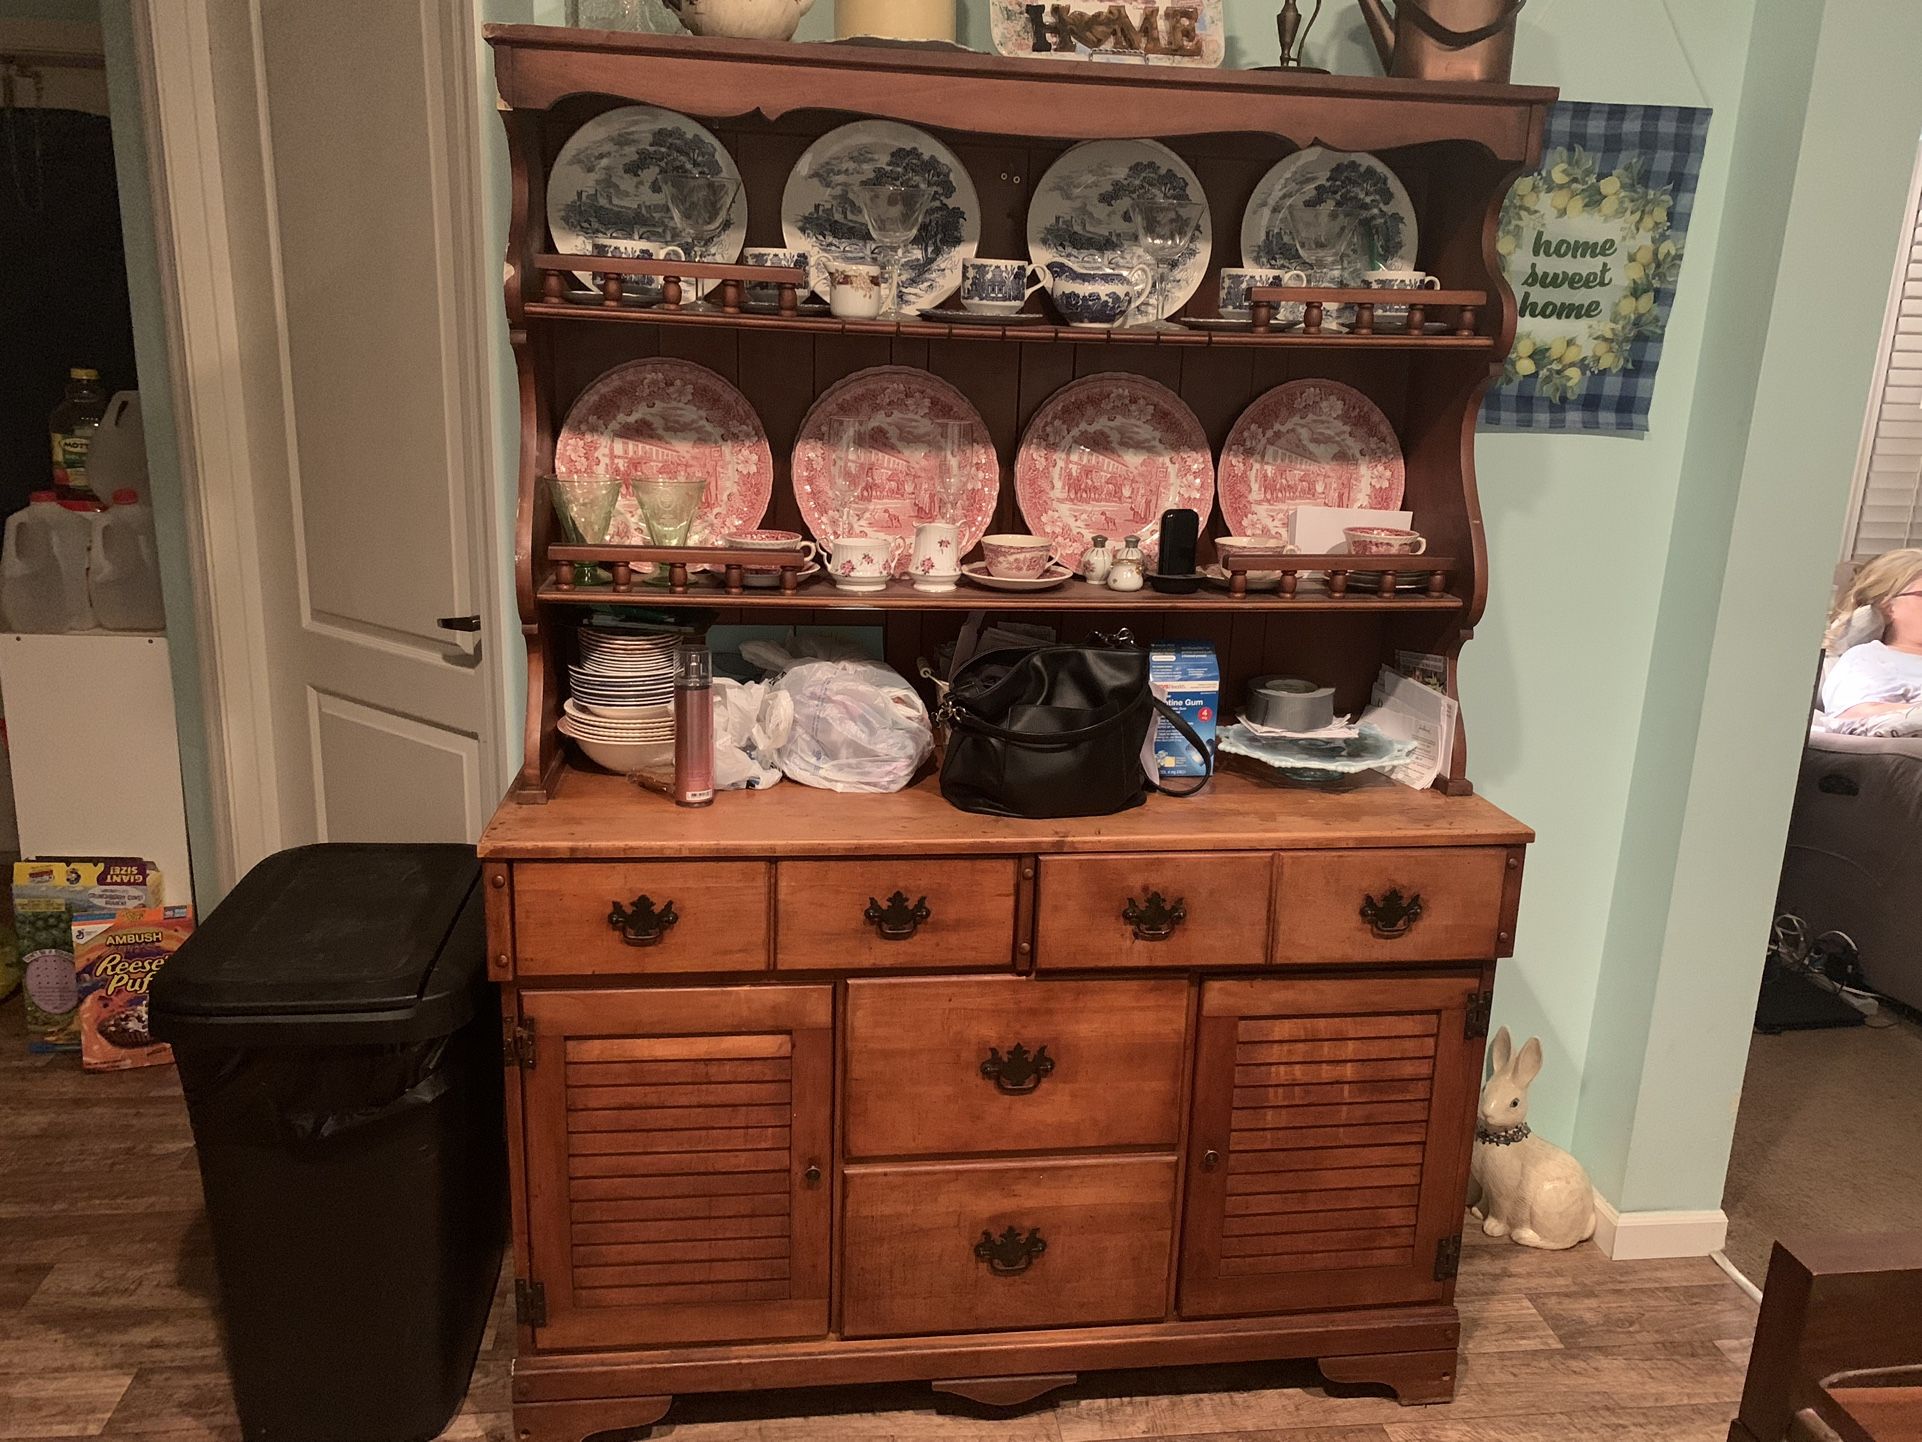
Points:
(856, 724)
(751, 722)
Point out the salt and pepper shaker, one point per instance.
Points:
(693, 724)
(1129, 567)
(1097, 561)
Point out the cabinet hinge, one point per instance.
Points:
(1448, 1258)
(530, 1303)
(1480, 1006)
(520, 1046)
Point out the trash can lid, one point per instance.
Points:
(343, 931)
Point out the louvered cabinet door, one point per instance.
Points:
(677, 1163)
(1328, 1156)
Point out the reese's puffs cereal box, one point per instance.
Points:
(115, 956)
(47, 894)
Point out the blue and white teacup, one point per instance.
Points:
(1097, 299)
(639, 287)
(1399, 280)
(1237, 281)
(997, 287)
(770, 294)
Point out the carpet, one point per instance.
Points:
(1829, 1138)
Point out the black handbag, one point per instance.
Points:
(1054, 731)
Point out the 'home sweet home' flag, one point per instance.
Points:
(1592, 245)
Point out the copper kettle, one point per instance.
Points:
(1445, 39)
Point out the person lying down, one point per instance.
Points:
(1874, 685)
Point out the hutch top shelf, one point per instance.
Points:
(538, 66)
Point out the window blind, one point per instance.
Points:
(1888, 486)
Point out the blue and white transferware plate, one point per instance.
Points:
(1354, 182)
(819, 212)
(604, 193)
(1081, 213)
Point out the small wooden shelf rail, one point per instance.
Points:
(1385, 570)
(687, 587)
(1314, 300)
(734, 563)
(790, 283)
(555, 270)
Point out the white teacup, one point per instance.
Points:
(997, 287)
(1014, 557)
(1237, 281)
(769, 293)
(855, 290)
(1399, 280)
(638, 287)
(860, 563)
(1384, 541)
(1227, 547)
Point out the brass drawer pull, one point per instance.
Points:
(639, 923)
(897, 921)
(1009, 1254)
(1392, 916)
(1020, 1071)
(1154, 919)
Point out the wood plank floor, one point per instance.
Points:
(108, 1328)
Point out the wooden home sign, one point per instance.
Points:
(1186, 34)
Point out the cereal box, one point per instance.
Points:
(46, 894)
(115, 957)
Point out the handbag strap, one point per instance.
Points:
(1201, 749)
(960, 715)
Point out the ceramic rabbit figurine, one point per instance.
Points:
(1519, 1185)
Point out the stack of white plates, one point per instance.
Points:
(621, 710)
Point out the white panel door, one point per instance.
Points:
(374, 528)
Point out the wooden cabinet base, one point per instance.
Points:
(1006, 1391)
(567, 1397)
(1414, 1377)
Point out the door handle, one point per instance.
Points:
(465, 642)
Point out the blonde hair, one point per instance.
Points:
(1876, 583)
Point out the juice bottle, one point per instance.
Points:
(71, 427)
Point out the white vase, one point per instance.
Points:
(895, 19)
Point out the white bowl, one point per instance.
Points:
(631, 715)
(625, 756)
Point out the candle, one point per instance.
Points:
(895, 19)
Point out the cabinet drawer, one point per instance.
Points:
(1158, 909)
(894, 913)
(1426, 904)
(994, 1246)
(1069, 1064)
(565, 921)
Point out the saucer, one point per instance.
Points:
(809, 306)
(770, 580)
(1215, 322)
(977, 572)
(968, 317)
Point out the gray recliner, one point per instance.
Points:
(1854, 858)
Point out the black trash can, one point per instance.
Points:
(339, 1047)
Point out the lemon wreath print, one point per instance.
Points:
(1587, 255)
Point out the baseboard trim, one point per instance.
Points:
(1645, 1236)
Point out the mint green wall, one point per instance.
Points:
(1653, 873)
(1844, 229)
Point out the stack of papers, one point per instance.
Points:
(1342, 728)
(1407, 711)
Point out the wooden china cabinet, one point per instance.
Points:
(1192, 1083)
